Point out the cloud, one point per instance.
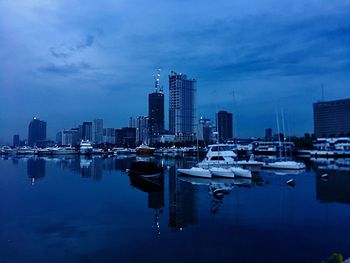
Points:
(66, 51)
(65, 69)
(57, 53)
(87, 42)
(264, 50)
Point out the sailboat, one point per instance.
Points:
(285, 165)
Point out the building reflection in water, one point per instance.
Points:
(35, 169)
(154, 187)
(91, 167)
(333, 185)
(182, 203)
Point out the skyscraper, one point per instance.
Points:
(204, 132)
(87, 131)
(97, 131)
(15, 140)
(182, 92)
(141, 129)
(156, 113)
(268, 134)
(109, 135)
(332, 118)
(224, 125)
(36, 131)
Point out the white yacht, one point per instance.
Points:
(219, 155)
(285, 165)
(144, 149)
(45, 151)
(85, 147)
(8, 150)
(222, 172)
(219, 161)
(26, 150)
(64, 150)
(251, 163)
(196, 171)
(240, 172)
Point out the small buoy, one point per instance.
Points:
(325, 176)
(218, 194)
(127, 170)
(291, 182)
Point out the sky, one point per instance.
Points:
(69, 61)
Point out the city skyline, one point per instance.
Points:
(247, 58)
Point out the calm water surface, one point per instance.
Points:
(89, 210)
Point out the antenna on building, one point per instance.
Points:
(157, 81)
(322, 93)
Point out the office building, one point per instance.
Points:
(142, 129)
(156, 113)
(125, 137)
(224, 124)
(204, 132)
(132, 122)
(16, 141)
(268, 134)
(87, 131)
(97, 131)
(182, 92)
(36, 131)
(109, 135)
(332, 118)
(70, 137)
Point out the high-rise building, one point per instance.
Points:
(125, 137)
(268, 134)
(182, 92)
(204, 132)
(70, 137)
(224, 124)
(132, 122)
(16, 142)
(332, 118)
(142, 129)
(97, 131)
(36, 131)
(156, 113)
(109, 135)
(87, 130)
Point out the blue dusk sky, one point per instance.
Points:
(71, 61)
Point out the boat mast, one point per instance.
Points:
(278, 131)
(283, 131)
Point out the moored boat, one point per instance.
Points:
(222, 172)
(64, 150)
(240, 172)
(285, 165)
(144, 149)
(145, 169)
(219, 155)
(85, 148)
(196, 171)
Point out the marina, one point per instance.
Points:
(248, 217)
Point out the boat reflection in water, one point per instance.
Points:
(218, 188)
(151, 181)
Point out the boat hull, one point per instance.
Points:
(240, 172)
(221, 172)
(196, 172)
(285, 166)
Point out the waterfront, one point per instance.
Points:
(77, 209)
